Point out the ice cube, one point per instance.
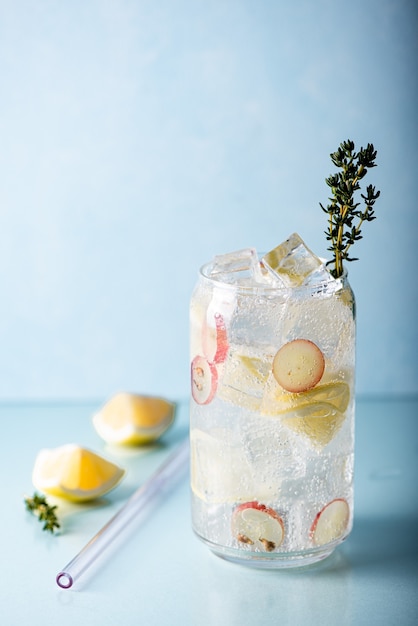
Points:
(331, 474)
(244, 376)
(220, 471)
(326, 320)
(237, 267)
(272, 451)
(293, 264)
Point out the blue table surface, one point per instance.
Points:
(160, 574)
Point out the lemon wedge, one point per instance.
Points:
(133, 419)
(74, 473)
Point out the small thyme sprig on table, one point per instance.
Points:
(343, 211)
(45, 513)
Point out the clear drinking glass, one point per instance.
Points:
(272, 412)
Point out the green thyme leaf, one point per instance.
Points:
(345, 219)
(39, 506)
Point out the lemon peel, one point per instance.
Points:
(74, 473)
(133, 419)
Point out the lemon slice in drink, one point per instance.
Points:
(319, 421)
(276, 401)
(74, 473)
(316, 414)
(337, 394)
(133, 419)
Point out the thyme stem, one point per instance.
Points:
(343, 210)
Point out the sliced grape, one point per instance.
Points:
(215, 339)
(298, 365)
(258, 526)
(331, 522)
(204, 380)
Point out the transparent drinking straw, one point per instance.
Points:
(139, 502)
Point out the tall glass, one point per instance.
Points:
(272, 416)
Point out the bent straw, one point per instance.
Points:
(139, 502)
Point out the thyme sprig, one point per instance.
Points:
(39, 506)
(345, 218)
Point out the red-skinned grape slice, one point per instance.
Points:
(204, 380)
(258, 526)
(298, 365)
(331, 522)
(215, 340)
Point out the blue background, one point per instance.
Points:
(140, 137)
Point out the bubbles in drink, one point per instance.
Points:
(272, 408)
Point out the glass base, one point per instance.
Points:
(276, 560)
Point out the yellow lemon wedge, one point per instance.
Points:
(132, 419)
(74, 473)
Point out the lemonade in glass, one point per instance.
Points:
(272, 406)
